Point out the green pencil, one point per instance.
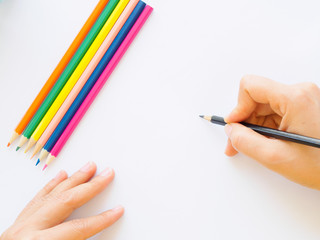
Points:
(67, 72)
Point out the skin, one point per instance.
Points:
(44, 216)
(291, 108)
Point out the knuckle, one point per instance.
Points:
(80, 226)
(311, 87)
(301, 97)
(68, 199)
(44, 198)
(47, 188)
(35, 202)
(245, 80)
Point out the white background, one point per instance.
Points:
(171, 173)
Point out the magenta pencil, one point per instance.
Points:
(99, 84)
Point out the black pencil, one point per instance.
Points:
(269, 132)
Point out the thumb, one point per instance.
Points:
(254, 145)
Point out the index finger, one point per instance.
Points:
(256, 90)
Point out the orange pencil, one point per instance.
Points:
(57, 72)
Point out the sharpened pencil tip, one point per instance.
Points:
(8, 144)
(205, 117)
(38, 162)
(17, 149)
(44, 168)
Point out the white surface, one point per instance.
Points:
(172, 175)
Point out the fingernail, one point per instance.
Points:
(87, 167)
(118, 209)
(106, 173)
(58, 175)
(228, 129)
(226, 118)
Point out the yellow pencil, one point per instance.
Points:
(77, 74)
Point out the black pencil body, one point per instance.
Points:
(269, 132)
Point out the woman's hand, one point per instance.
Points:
(44, 216)
(291, 108)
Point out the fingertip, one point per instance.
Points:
(62, 175)
(90, 167)
(236, 115)
(233, 117)
(118, 210)
(230, 151)
(227, 118)
(117, 213)
(107, 173)
(93, 164)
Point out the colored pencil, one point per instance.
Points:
(58, 70)
(91, 82)
(269, 132)
(99, 84)
(61, 96)
(42, 134)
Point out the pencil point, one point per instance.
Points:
(206, 117)
(8, 144)
(30, 145)
(38, 162)
(44, 168)
(17, 149)
(22, 141)
(37, 148)
(13, 138)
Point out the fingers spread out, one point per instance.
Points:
(82, 176)
(256, 90)
(60, 205)
(38, 200)
(84, 228)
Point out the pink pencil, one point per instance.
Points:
(84, 78)
(99, 84)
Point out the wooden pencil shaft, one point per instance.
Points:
(269, 132)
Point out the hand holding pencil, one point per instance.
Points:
(290, 108)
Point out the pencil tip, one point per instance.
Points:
(38, 162)
(17, 149)
(201, 116)
(44, 168)
(8, 144)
